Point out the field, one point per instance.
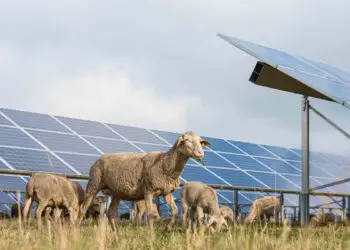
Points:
(93, 236)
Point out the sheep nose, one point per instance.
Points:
(199, 154)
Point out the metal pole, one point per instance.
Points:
(132, 210)
(235, 202)
(344, 208)
(282, 207)
(305, 136)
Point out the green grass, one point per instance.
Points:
(92, 236)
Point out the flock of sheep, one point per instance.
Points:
(138, 177)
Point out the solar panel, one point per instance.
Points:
(192, 173)
(152, 148)
(170, 137)
(284, 153)
(34, 120)
(9, 182)
(221, 145)
(278, 166)
(245, 162)
(4, 121)
(327, 80)
(32, 160)
(236, 177)
(63, 142)
(335, 170)
(212, 159)
(14, 137)
(112, 146)
(252, 149)
(136, 134)
(85, 127)
(3, 166)
(4, 198)
(274, 181)
(82, 163)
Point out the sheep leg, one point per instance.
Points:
(200, 218)
(139, 216)
(26, 209)
(193, 218)
(111, 212)
(57, 215)
(170, 201)
(184, 214)
(150, 215)
(48, 214)
(39, 211)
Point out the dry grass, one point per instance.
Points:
(91, 236)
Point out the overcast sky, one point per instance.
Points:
(159, 64)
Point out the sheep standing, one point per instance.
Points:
(264, 208)
(140, 210)
(227, 213)
(137, 176)
(322, 219)
(204, 200)
(53, 191)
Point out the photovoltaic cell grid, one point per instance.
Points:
(38, 142)
(326, 79)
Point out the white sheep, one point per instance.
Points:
(265, 208)
(137, 176)
(203, 200)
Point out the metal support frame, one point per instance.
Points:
(305, 137)
(236, 203)
(282, 215)
(330, 184)
(348, 206)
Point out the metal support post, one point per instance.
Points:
(295, 214)
(282, 216)
(235, 203)
(132, 211)
(304, 195)
(343, 208)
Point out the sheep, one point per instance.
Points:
(53, 191)
(265, 208)
(96, 208)
(136, 176)
(227, 213)
(14, 210)
(322, 219)
(202, 199)
(140, 210)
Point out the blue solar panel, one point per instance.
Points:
(192, 173)
(152, 148)
(252, 149)
(33, 160)
(317, 171)
(136, 134)
(112, 146)
(9, 182)
(279, 166)
(63, 142)
(245, 162)
(82, 163)
(337, 159)
(296, 179)
(3, 166)
(4, 198)
(236, 177)
(34, 120)
(324, 78)
(85, 127)
(212, 159)
(274, 181)
(284, 153)
(229, 195)
(4, 121)
(335, 170)
(170, 137)
(14, 137)
(221, 145)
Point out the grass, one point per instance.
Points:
(92, 236)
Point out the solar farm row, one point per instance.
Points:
(40, 142)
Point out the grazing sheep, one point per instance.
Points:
(53, 191)
(204, 200)
(322, 219)
(264, 208)
(96, 208)
(136, 176)
(140, 210)
(14, 210)
(227, 213)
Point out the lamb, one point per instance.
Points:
(53, 191)
(137, 176)
(202, 199)
(14, 210)
(265, 208)
(140, 210)
(227, 213)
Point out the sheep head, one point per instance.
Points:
(216, 222)
(192, 145)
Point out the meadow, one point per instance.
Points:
(99, 236)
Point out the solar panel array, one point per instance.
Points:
(39, 142)
(329, 80)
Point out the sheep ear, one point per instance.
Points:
(181, 139)
(205, 143)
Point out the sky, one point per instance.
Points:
(159, 64)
